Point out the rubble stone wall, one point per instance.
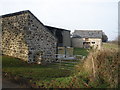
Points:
(40, 40)
(25, 37)
(13, 41)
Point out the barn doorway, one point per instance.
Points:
(86, 44)
(59, 36)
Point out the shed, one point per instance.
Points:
(87, 39)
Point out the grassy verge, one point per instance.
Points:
(101, 67)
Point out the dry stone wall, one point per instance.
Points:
(25, 37)
(13, 41)
(40, 40)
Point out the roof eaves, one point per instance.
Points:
(57, 28)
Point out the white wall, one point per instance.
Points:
(78, 42)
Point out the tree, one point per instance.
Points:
(104, 37)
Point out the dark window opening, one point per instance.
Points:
(86, 42)
(93, 42)
(59, 36)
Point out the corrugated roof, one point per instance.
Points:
(88, 33)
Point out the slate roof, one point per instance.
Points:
(49, 28)
(55, 28)
(87, 34)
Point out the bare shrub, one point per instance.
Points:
(103, 65)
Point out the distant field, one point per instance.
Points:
(110, 46)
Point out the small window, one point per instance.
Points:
(93, 42)
(86, 43)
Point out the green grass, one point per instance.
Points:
(80, 51)
(48, 76)
(55, 75)
(110, 46)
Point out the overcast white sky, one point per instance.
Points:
(70, 14)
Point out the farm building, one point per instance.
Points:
(62, 35)
(25, 37)
(63, 40)
(87, 39)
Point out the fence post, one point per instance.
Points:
(93, 65)
(65, 51)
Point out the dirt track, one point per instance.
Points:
(8, 84)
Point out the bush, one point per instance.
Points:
(103, 67)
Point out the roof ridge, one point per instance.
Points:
(56, 28)
(88, 30)
(15, 13)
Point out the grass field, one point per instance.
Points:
(110, 46)
(43, 76)
(80, 51)
(55, 75)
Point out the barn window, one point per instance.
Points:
(86, 43)
(93, 42)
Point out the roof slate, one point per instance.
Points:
(87, 34)
(55, 28)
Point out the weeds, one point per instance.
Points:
(105, 67)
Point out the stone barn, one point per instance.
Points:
(63, 40)
(87, 39)
(25, 37)
(62, 35)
